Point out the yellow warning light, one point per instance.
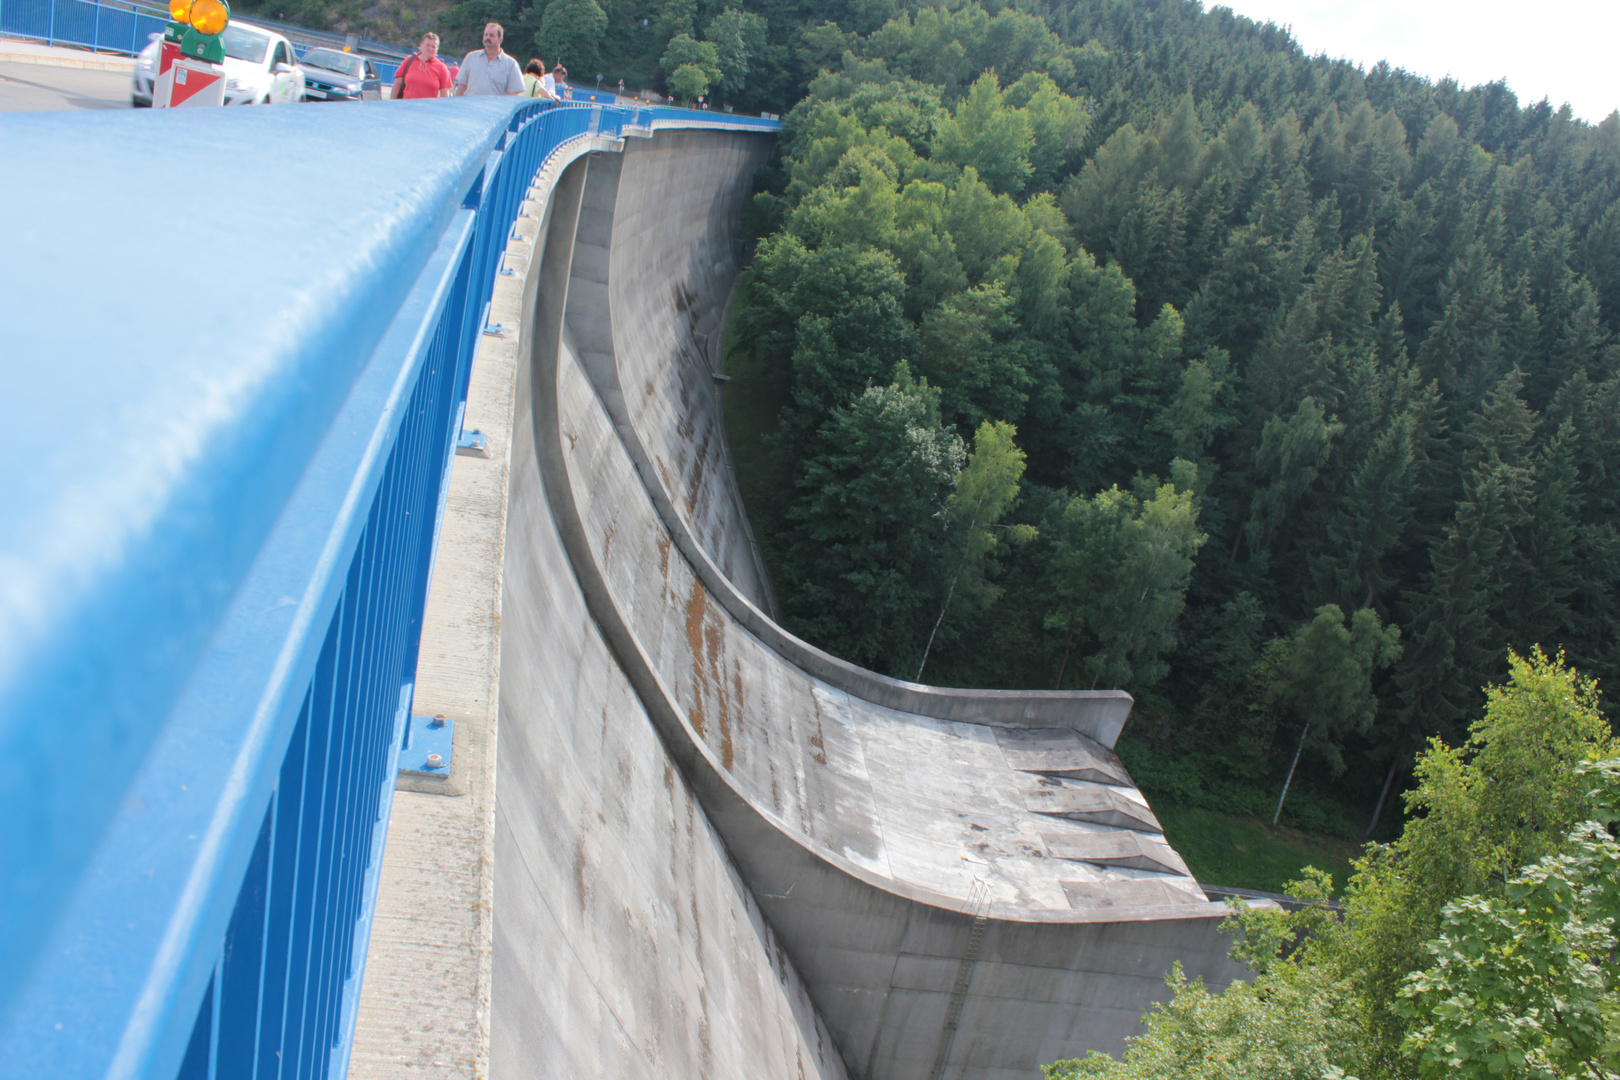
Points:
(180, 11)
(208, 16)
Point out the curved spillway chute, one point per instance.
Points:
(967, 882)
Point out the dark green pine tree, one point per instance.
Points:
(1537, 590)
(1452, 640)
(1366, 523)
(1464, 350)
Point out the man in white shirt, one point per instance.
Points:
(554, 82)
(489, 72)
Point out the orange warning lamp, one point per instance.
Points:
(207, 16)
(180, 11)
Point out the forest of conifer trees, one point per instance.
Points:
(1308, 372)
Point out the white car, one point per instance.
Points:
(260, 68)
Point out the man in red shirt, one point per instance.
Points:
(423, 74)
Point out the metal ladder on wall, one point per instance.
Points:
(979, 905)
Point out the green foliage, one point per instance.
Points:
(739, 41)
(683, 51)
(1121, 568)
(985, 490)
(1502, 799)
(1520, 986)
(870, 536)
(1447, 957)
(984, 133)
(570, 31)
(688, 82)
(1322, 677)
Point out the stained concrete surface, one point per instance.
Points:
(703, 848)
(889, 848)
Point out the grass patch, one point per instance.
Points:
(1241, 853)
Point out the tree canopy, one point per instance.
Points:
(1479, 943)
(1363, 324)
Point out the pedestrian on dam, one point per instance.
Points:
(489, 72)
(423, 74)
(621, 88)
(557, 84)
(534, 81)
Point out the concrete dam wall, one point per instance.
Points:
(675, 840)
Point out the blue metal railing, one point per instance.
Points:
(106, 25)
(222, 496)
(125, 26)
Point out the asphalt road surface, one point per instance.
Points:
(36, 87)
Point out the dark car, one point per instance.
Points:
(334, 75)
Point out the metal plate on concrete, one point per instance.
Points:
(427, 746)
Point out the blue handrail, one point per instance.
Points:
(229, 420)
(125, 26)
(119, 26)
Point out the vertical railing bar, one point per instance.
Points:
(290, 809)
(213, 1026)
(309, 829)
(320, 857)
(264, 932)
(351, 858)
(331, 823)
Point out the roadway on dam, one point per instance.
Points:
(696, 846)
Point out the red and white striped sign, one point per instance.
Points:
(189, 82)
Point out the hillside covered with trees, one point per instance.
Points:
(1120, 344)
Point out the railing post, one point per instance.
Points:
(50, 25)
(95, 29)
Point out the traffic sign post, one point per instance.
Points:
(190, 70)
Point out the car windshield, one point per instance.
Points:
(244, 44)
(332, 60)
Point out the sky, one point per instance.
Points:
(1563, 50)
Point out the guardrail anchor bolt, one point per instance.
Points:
(438, 720)
(434, 761)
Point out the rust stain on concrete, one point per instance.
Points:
(714, 639)
(696, 609)
(820, 753)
